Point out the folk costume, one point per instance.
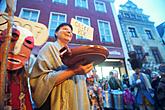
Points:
(16, 88)
(141, 84)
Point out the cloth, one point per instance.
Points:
(161, 93)
(69, 95)
(161, 89)
(15, 90)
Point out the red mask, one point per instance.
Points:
(20, 48)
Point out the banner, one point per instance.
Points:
(82, 29)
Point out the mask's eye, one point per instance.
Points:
(15, 34)
(29, 42)
(14, 37)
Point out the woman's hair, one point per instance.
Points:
(61, 25)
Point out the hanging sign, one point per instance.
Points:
(82, 29)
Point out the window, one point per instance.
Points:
(132, 32)
(60, 1)
(149, 35)
(126, 15)
(156, 54)
(139, 52)
(105, 31)
(100, 6)
(81, 3)
(29, 14)
(55, 20)
(138, 17)
(84, 20)
(133, 16)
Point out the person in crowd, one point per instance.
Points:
(116, 90)
(127, 96)
(107, 100)
(161, 88)
(148, 73)
(141, 85)
(54, 85)
(94, 92)
(126, 81)
(154, 83)
(114, 82)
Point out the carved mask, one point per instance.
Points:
(22, 42)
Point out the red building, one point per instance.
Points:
(95, 13)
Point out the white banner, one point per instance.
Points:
(82, 29)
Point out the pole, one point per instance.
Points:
(3, 70)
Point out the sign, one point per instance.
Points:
(81, 29)
(115, 52)
(39, 31)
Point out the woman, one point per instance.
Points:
(142, 87)
(114, 82)
(54, 85)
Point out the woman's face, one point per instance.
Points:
(137, 70)
(64, 35)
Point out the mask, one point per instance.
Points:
(22, 42)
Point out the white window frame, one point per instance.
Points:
(112, 40)
(86, 24)
(150, 37)
(105, 9)
(66, 2)
(132, 34)
(77, 5)
(50, 17)
(29, 9)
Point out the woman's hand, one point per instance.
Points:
(83, 69)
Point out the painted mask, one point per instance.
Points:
(22, 42)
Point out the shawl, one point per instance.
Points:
(146, 80)
(69, 95)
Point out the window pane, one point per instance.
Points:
(132, 32)
(105, 31)
(62, 18)
(139, 52)
(60, 1)
(56, 19)
(29, 14)
(156, 54)
(53, 25)
(82, 3)
(25, 14)
(51, 32)
(100, 6)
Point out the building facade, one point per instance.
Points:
(141, 36)
(161, 30)
(95, 13)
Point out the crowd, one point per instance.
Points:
(134, 92)
(55, 86)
